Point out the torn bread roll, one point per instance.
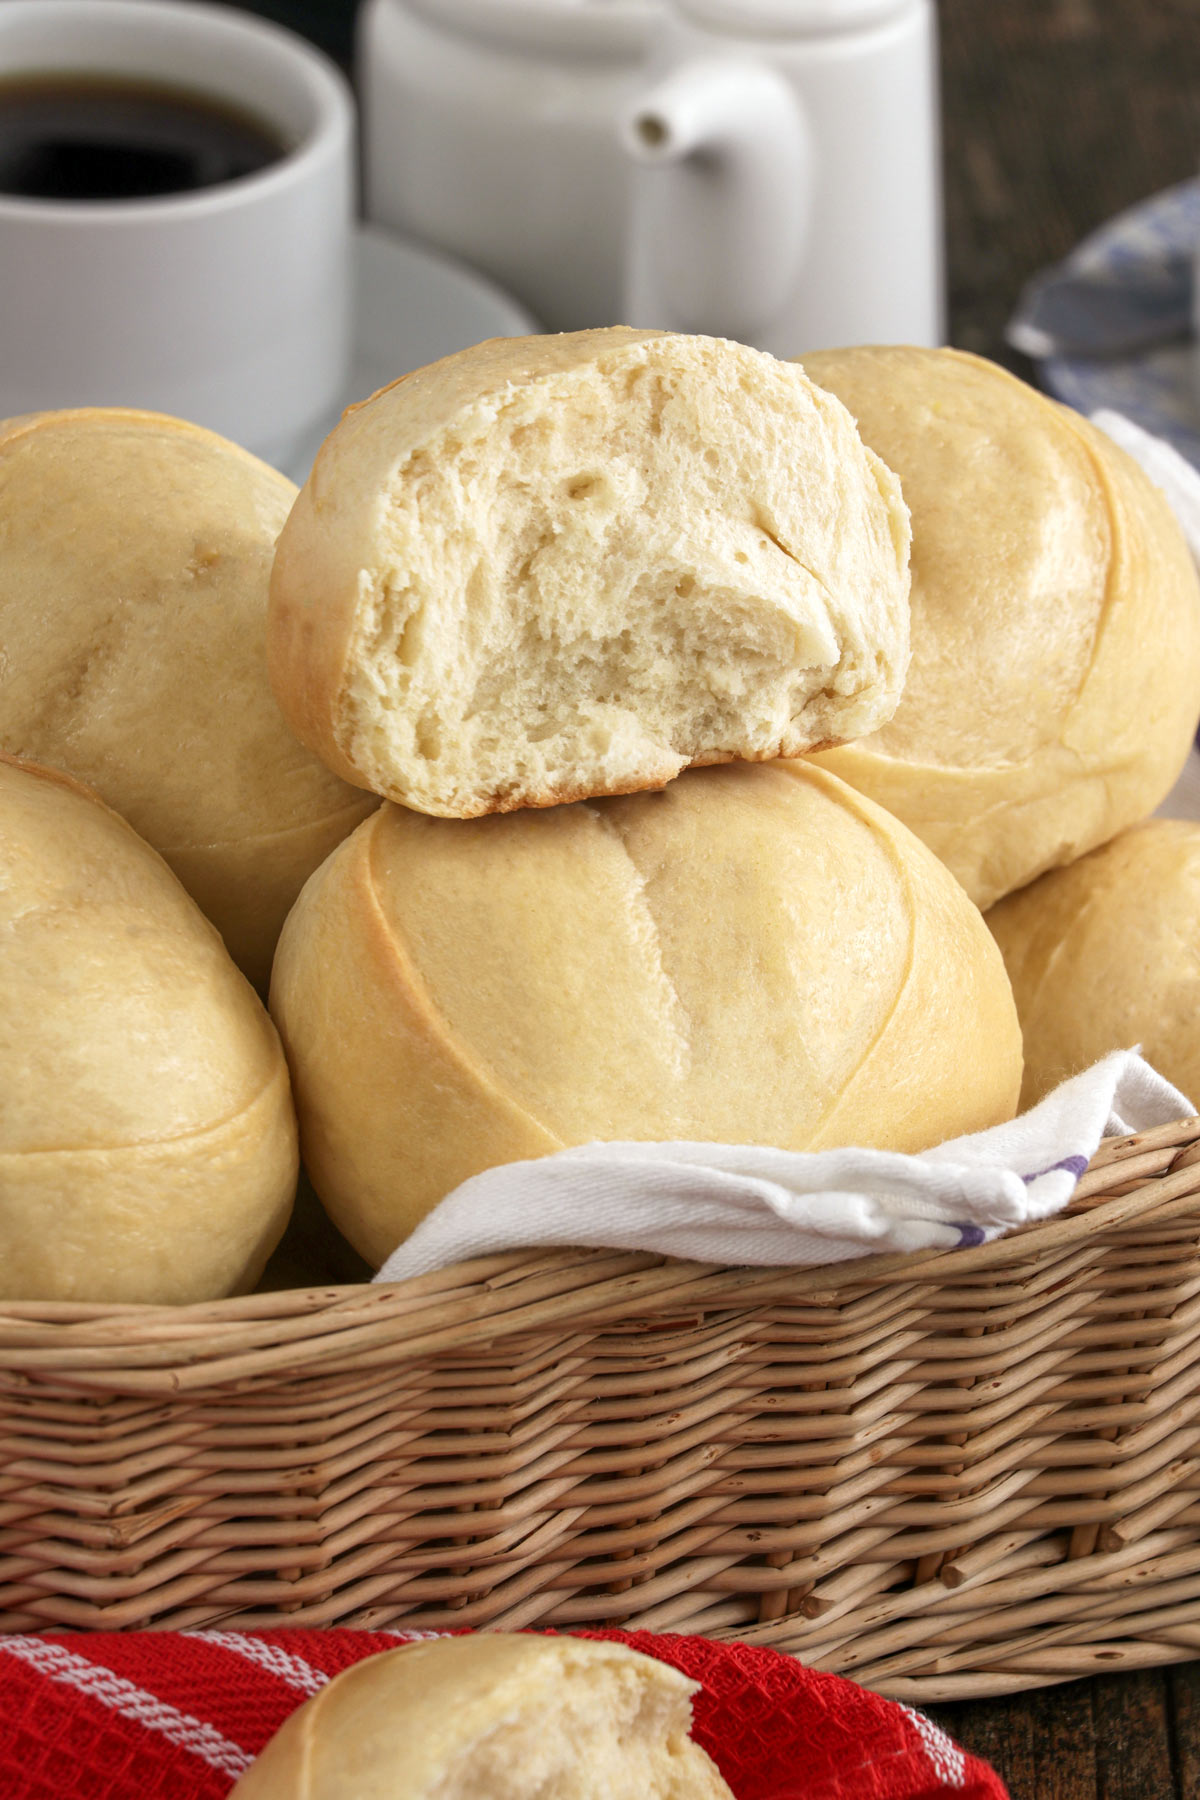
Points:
(1105, 955)
(135, 552)
(755, 954)
(147, 1138)
(1055, 676)
(550, 568)
(493, 1717)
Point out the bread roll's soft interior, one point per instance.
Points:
(549, 568)
(755, 954)
(1055, 676)
(147, 1138)
(1105, 955)
(492, 1717)
(135, 552)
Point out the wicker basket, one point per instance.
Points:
(946, 1475)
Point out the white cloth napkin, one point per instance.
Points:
(741, 1204)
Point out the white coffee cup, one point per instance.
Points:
(229, 305)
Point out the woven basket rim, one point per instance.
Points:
(174, 1348)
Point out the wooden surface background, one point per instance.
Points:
(1115, 1737)
(1057, 114)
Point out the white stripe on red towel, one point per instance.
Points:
(293, 1669)
(135, 1703)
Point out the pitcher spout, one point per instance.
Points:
(723, 187)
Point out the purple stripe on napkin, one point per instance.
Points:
(1074, 1165)
(969, 1236)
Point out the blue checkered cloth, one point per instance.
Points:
(1111, 326)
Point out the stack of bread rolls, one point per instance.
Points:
(147, 1135)
(692, 787)
(520, 592)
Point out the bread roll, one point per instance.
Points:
(1105, 954)
(147, 1139)
(493, 1717)
(135, 553)
(548, 568)
(755, 954)
(1055, 676)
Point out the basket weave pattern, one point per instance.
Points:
(944, 1474)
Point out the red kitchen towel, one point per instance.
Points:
(152, 1715)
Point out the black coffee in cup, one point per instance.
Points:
(103, 137)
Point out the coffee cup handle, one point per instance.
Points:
(722, 196)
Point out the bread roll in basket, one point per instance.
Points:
(1055, 676)
(754, 955)
(147, 1139)
(135, 552)
(550, 568)
(1106, 953)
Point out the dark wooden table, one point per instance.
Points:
(1115, 1737)
(1057, 114)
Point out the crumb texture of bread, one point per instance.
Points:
(147, 1135)
(135, 556)
(1105, 955)
(1055, 675)
(552, 568)
(755, 954)
(500, 1716)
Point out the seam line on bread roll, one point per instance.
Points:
(674, 1013)
(849, 798)
(214, 1129)
(306, 827)
(421, 1002)
(1118, 557)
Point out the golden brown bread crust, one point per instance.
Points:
(135, 554)
(148, 1141)
(753, 954)
(1105, 955)
(1055, 679)
(59, 777)
(713, 759)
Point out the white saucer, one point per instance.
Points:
(413, 305)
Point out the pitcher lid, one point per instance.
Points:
(597, 27)
(790, 18)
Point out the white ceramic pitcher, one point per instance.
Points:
(788, 188)
(490, 129)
